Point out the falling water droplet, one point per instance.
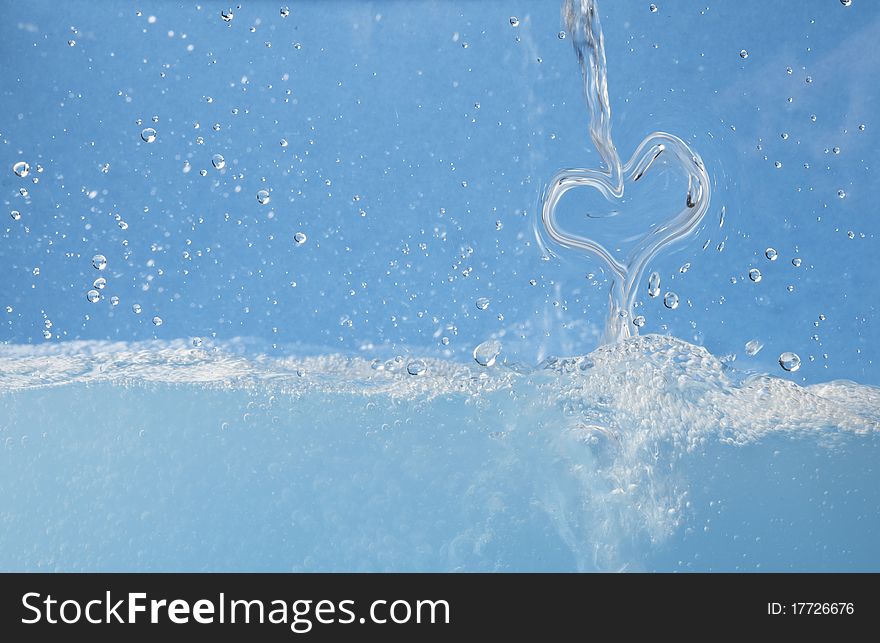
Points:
(300, 238)
(148, 134)
(99, 262)
(93, 296)
(755, 275)
(753, 347)
(482, 303)
(670, 300)
(654, 284)
(486, 353)
(21, 169)
(218, 161)
(771, 254)
(790, 361)
(263, 197)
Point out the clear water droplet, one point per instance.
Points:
(486, 353)
(482, 303)
(300, 238)
(654, 284)
(753, 347)
(789, 361)
(218, 161)
(100, 283)
(21, 169)
(771, 254)
(157, 321)
(755, 275)
(99, 262)
(743, 54)
(263, 197)
(416, 367)
(670, 300)
(93, 296)
(148, 134)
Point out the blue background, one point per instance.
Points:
(382, 102)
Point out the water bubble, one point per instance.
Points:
(790, 361)
(47, 334)
(218, 161)
(197, 342)
(416, 367)
(755, 275)
(15, 214)
(653, 8)
(778, 164)
(99, 262)
(753, 347)
(100, 283)
(285, 11)
(561, 35)
(486, 353)
(21, 169)
(227, 15)
(851, 234)
(514, 21)
(835, 149)
(300, 238)
(157, 321)
(482, 303)
(654, 284)
(533, 282)
(148, 134)
(796, 262)
(93, 296)
(284, 142)
(789, 71)
(784, 136)
(846, 3)
(263, 197)
(771, 254)
(639, 321)
(841, 194)
(9, 309)
(114, 300)
(670, 300)
(862, 127)
(743, 54)
(136, 309)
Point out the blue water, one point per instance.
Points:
(317, 406)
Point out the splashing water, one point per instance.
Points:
(582, 22)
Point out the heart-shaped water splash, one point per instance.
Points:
(582, 21)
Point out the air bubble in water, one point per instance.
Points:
(841, 194)
(653, 8)
(753, 347)
(486, 353)
(790, 361)
(99, 262)
(100, 283)
(482, 303)
(263, 197)
(743, 54)
(148, 134)
(514, 21)
(284, 142)
(285, 11)
(416, 367)
(300, 238)
(227, 15)
(771, 254)
(755, 275)
(218, 161)
(846, 3)
(15, 214)
(561, 35)
(197, 342)
(654, 284)
(670, 300)
(47, 334)
(136, 309)
(796, 262)
(21, 169)
(93, 296)
(157, 321)
(114, 300)
(639, 321)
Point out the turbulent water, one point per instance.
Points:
(583, 26)
(161, 456)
